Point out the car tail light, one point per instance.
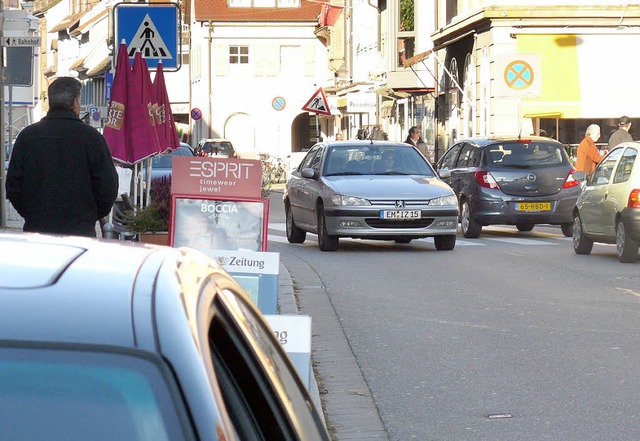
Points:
(571, 181)
(634, 198)
(485, 179)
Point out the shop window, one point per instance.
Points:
(238, 54)
(406, 31)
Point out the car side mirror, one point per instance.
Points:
(444, 173)
(580, 176)
(308, 173)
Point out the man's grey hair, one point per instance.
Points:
(593, 128)
(62, 92)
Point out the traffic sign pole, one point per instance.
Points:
(3, 149)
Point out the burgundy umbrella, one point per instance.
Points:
(167, 134)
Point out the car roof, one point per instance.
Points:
(107, 286)
(365, 142)
(213, 140)
(482, 141)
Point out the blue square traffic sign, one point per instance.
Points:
(151, 29)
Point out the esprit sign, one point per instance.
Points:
(216, 176)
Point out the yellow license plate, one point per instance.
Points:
(533, 206)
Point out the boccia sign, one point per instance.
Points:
(196, 113)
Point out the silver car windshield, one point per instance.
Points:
(375, 160)
(525, 154)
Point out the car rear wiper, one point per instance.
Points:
(516, 165)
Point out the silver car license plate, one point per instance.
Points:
(400, 214)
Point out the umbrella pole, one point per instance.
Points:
(149, 167)
(136, 179)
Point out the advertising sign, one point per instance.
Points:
(213, 176)
(210, 224)
(294, 334)
(257, 272)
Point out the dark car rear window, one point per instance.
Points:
(217, 147)
(525, 154)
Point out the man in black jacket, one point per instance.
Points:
(622, 134)
(61, 177)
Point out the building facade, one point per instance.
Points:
(557, 67)
(254, 65)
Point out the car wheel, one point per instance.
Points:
(445, 243)
(326, 242)
(626, 247)
(470, 228)
(567, 229)
(403, 240)
(581, 243)
(525, 226)
(294, 234)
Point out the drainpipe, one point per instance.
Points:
(210, 38)
(3, 152)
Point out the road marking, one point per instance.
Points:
(485, 241)
(518, 241)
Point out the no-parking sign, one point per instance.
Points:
(519, 75)
(196, 113)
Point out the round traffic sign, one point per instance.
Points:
(518, 75)
(96, 115)
(278, 103)
(196, 113)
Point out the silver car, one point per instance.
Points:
(368, 190)
(608, 209)
(112, 341)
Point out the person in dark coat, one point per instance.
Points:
(415, 139)
(622, 134)
(61, 178)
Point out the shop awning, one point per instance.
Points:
(68, 22)
(100, 68)
(577, 85)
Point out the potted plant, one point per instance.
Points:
(151, 223)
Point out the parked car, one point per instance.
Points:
(512, 181)
(105, 340)
(608, 209)
(161, 165)
(352, 189)
(216, 147)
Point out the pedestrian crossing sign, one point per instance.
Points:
(318, 103)
(151, 29)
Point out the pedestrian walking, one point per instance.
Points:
(622, 134)
(61, 178)
(588, 154)
(415, 139)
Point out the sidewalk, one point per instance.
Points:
(14, 221)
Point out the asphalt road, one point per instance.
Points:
(508, 337)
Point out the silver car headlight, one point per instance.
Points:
(445, 200)
(339, 199)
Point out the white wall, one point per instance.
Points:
(241, 95)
